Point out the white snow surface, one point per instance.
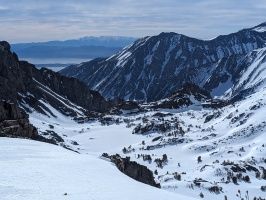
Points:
(234, 127)
(260, 29)
(36, 170)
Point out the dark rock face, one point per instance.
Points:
(133, 169)
(14, 123)
(154, 67)
(22, 83)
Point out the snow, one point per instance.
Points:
(174, 43)
(260, 29)
(79, 110)
(35, 170)
(255, 73)
(122, 59)
(220, 52)
(148, 58)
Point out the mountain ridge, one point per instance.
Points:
(153, 67)
(32, 88)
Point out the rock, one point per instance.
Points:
(134, 170)
(14, 123)
(51, 126)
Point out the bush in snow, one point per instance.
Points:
(199, 159)
(263, 188)
(215, 189)
(201, 195)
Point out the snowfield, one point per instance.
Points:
(35, 170)
(229, 141)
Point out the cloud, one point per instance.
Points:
(64, 19)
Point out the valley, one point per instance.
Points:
(180, 114)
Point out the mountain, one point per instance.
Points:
(152, 68)
(86, 48)
(105, 41)
(250, 76)
(37, 90)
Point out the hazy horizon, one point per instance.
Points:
(35, 21)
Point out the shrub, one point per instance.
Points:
(234, 179)
(199, 159)
(215, 189)
(246, 178)
(263, 188)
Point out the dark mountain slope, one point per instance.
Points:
(154, 67)
(37, 89)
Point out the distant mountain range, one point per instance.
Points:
(153, 68)
(87, 47)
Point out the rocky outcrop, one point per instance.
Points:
(14, 123)
(133, 169)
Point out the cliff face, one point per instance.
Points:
(33, 89)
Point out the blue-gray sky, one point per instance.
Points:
(44, 20)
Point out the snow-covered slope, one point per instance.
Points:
(153, 67)
(210, 152)
(34, 170)
(250, 76)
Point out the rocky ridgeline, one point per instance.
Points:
(21, 82)
(132, 169)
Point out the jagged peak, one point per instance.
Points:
(4, 46)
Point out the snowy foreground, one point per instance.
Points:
(229, 141)
(35, 170)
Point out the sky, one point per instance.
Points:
(45, 20)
